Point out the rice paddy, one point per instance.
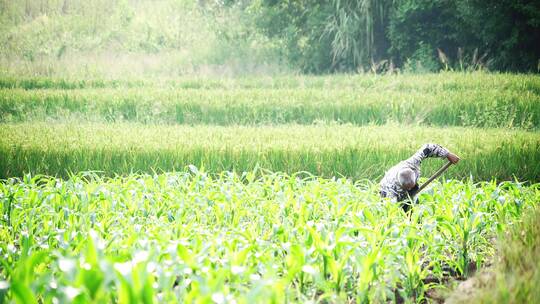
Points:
(478, 100)
(325, 150)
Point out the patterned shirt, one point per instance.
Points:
(390, 186)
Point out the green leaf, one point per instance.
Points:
(22, 293)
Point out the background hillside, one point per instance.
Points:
(179, 37)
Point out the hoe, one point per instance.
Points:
(412, 193)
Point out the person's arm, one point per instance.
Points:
(431, 150)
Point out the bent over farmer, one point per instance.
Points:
(401, 181)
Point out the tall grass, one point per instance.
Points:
(358, 152)
(192, 237)
(443, 81)
(358, 100)
(124, 37)
(515, 275)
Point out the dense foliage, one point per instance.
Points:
(191, 237)
(417, 35)
(174, 37)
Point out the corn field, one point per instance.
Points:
(191, 237)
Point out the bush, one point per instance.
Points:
(422, 61)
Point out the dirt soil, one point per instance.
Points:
(467, 290)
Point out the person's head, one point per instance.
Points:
(407, 178)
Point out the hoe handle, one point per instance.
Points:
(434, 176)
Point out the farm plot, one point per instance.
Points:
(257, 189)
(326, 150)
(191, 237)
(457, 100)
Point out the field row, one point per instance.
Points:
(478, 108)
(328, 150)
(406, 82)
(190, 237)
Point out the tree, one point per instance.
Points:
(509, 30)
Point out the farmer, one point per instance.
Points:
(401, 181)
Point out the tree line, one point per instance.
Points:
(349, 35)
(310, 36)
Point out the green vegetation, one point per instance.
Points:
(170, 151)
(191, 237)
(448, 99)
(58, 126)
(85, 222)
(115, 38)
(411, 35)
(186, 37)
(444, 81)
(329, 150)
(515, 276)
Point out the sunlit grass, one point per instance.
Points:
(329, 150)
(450, 99)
